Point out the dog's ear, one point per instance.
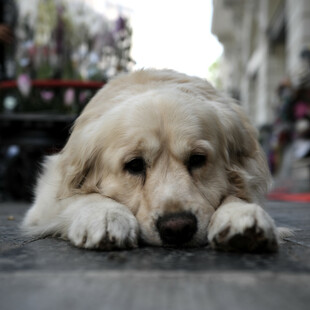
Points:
(246, 166)
(240, 135)
(80, 163)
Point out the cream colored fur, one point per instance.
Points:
(85, 195)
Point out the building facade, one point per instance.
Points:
(265, 42)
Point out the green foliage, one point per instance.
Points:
(60, 39)
(214, 74)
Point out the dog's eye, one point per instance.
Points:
(136, 166)
(196, 161)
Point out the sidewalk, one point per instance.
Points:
(51, 274)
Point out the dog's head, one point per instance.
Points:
(168, 147)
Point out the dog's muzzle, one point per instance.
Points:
(177, 229)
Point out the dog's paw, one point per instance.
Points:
(103, 227)
(242, 227)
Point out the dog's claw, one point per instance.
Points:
(248, 229)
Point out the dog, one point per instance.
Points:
(161, 158)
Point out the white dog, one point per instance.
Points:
(161, 157)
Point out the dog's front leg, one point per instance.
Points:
(95, 222)
(241, 226)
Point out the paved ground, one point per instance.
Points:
(52, 274)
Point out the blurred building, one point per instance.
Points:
(264, 42)
(64, 51)
(266, 66)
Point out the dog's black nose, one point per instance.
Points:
(177, 228)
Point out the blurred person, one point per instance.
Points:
(8, 19)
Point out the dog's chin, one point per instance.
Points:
(143, 242)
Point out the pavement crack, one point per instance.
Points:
(300, 243)
(4, 248)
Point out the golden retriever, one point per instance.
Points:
(159, 157)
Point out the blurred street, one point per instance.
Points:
(51, 274)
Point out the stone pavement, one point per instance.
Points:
(51, 274)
